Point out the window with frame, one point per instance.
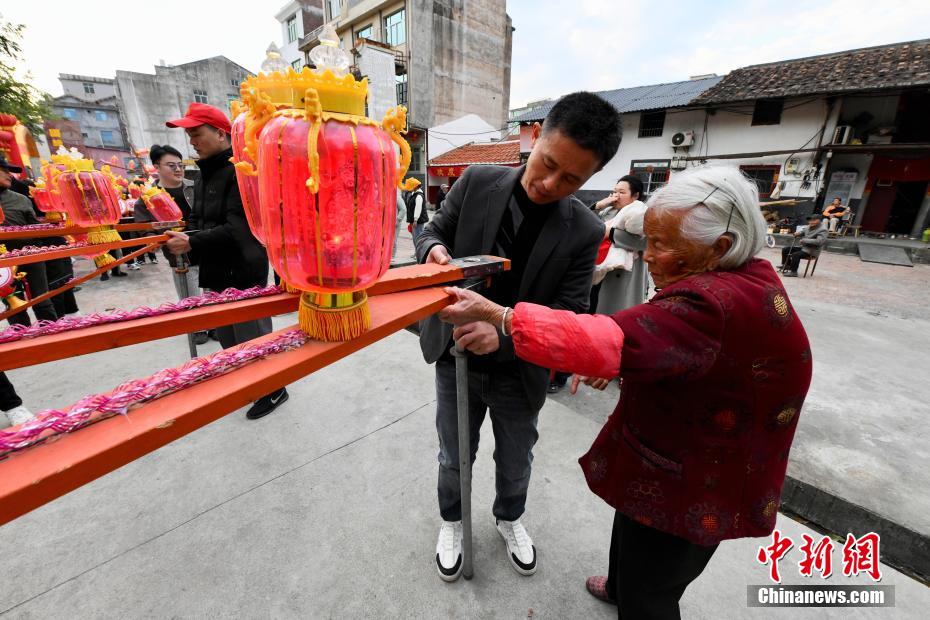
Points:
(765, 178)
(364, 33)
(296, 65)
(69, 113)
(235, 80)
(200, 96)
(88, 88)
(292, 29)
(653, 174)
(651, 124)
(401, 85)
(415, 158)
(395, 28)
(335, 9)
(107, 137)
(101, 115)
(767, 111)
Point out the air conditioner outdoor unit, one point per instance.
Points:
(842, 134)
(683, 139)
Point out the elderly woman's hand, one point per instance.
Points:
(597, 384)
(470, 307)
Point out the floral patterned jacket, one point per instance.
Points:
(714, 371)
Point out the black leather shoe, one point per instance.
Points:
(201, 338)
(119, 274)
(266, 404)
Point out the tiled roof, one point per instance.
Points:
(871, 68)
(480, 153)
(653, 97)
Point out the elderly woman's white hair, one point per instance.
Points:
(720, 200)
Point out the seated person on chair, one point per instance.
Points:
(835, 212)
(812, 238)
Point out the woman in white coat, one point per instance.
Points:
(622, 275)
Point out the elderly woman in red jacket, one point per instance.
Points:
(713, 373)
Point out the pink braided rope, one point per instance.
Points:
(32, 227)
(31, 250)
(96, 407)
(68, 323)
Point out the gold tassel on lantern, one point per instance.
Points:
(334, 317)
(102, 234)
(101, 260)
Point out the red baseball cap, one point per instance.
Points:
(202, 114)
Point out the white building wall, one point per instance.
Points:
(289, 51)
(727, 132)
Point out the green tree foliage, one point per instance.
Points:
(26, 102)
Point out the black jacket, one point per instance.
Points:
(223, 245)
(411, 203)
(558, 272)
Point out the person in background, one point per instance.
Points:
(551, 239)
(170, 169)
(399, 223)
(715, 370)
(620, 280)
(417, 216)
(18, 211)
(219, 239)
(14, 412)
(623, 277)
(811, 240)
(441, 195)
(835, 212)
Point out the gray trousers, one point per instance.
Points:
(237, 333)
(514, 424)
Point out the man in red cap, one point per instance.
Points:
(220, 240)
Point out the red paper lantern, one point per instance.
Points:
(327, 181)
(90, 201)
(246, 174)
(161, 205)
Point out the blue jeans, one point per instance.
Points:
(514, 424)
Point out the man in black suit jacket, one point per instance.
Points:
(528, 215)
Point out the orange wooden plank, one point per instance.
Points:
(99, 248)
(76, 281)
(40, 474)
(90, 339)
(6, 235)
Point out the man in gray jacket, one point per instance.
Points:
(526, 214)
(811, 242)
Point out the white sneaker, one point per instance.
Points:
(449, 551)
(134, 266)
(19, 415)
(520, 549)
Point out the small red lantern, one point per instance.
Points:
(327, 179)
(161, 205)
(91, 202)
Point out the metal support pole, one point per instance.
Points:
(180, 275)
(461, 386)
